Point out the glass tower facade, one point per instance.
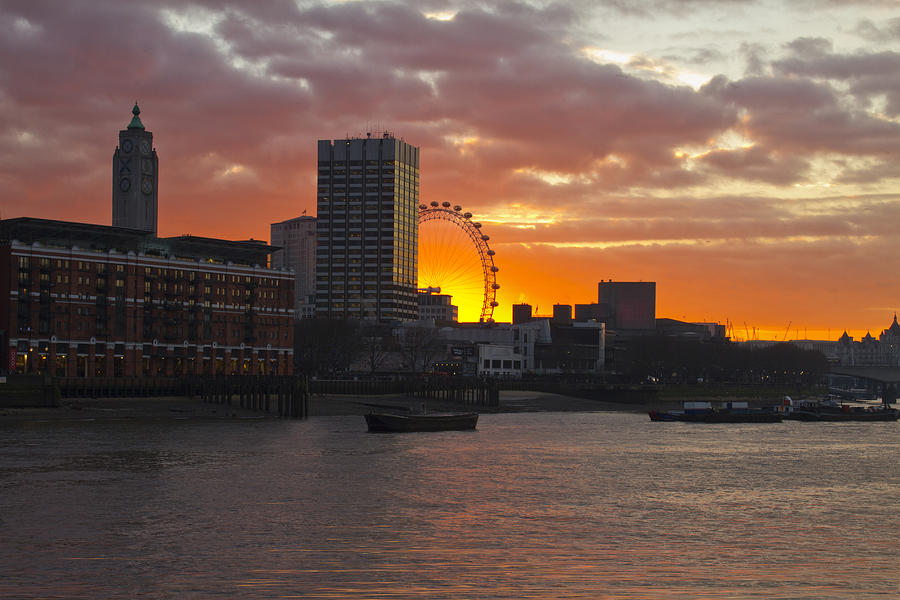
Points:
(368, 229)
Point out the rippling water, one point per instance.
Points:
(543, 505)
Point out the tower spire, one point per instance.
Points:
(135, 120)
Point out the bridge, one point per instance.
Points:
(887, 377)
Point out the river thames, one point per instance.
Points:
(531, 505)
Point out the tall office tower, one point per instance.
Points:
(135, 178)
(368, 231)
(297, 240)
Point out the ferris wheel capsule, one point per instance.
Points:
(495, 269)
(491, 253)
(435, 204)
(467, 215)
(476, 225)
(445, 204)
(423, 206)
(457, 208)
(496, 286)
(486, 237)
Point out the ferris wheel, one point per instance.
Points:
(455, 258)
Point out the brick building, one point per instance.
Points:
(90, 300)
(84, 300)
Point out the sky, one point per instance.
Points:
(742, 154)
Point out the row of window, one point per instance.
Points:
(502, 364)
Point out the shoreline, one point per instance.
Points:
(181, 408)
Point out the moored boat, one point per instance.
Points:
(828, 410)
(731, 412)
(398, 423)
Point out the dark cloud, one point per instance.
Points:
(886, 32)
(870, 75)
(757, 164)
(803, 115)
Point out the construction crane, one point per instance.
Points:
(787, 331)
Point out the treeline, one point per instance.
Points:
(334, 347)
(672, 360)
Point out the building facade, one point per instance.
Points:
(296, 240)
(439, 307)
(367, 199)
(869, 351)
(84, 300)
(95, 301)
(135, 173)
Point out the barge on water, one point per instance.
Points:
(829, 410)
(730, 412)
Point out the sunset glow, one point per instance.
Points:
(743, 155)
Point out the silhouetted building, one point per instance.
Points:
(368, 229)
(627, 305)
(562, 313)
(438, 307)
(577, 348)
(697, 331)
(135, 178)
(296, 239)
(586, 312)
(521, 313)
(869, 351)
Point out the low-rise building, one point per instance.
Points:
(439, 307)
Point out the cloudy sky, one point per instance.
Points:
(743, 154)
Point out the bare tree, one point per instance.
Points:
(325, 346)
(376, 341)
(419, 345)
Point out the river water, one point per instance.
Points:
(536, 505)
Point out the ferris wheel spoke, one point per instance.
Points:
(457, 257)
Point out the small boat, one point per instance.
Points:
(396, 423)
(732, 412)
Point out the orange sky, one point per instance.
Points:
(742, 155)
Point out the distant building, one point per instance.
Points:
(135, 178)
(869, 351)
(562, 313)
(368, 229)
(84, 300)
(438, 307)
(625, 305)
(296, 240)
(586, 312)
(536, 346)
(521, 313)
(572, 348)
(695, 331)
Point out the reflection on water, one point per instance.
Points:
(572, 505)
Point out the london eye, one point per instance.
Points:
(455, 257)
